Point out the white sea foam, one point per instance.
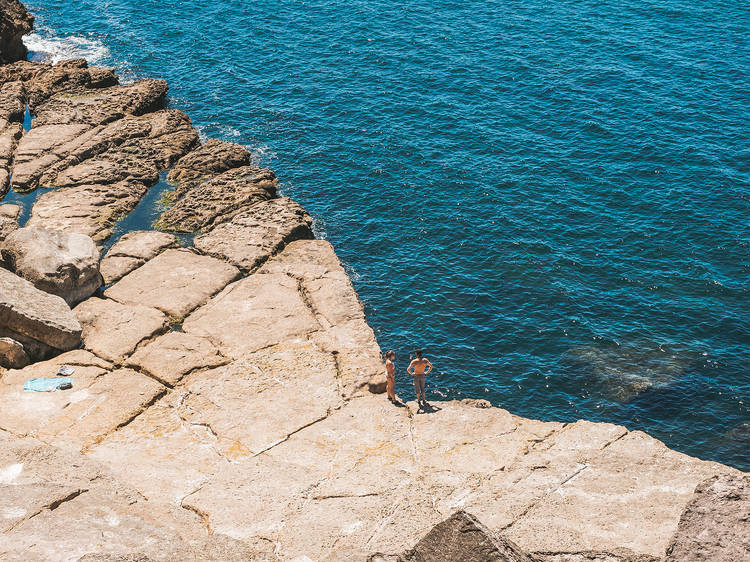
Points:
(55, 49)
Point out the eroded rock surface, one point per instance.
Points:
(210, 159)
(60, 263)
(258, 233)
(218, 199)
(12, 105)
(88, 209)
(715, 525)
(15, 22)
(8, 223)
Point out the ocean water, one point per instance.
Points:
(551, 198)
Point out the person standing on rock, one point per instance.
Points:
(419, 368)
(390, 375)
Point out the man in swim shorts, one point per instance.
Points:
(418, 368)
(390, 375)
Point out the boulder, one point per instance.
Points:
(219, 199)
(175, 282)
(10, 211)
(715, 525)
(36, 315)
(256, 234)
(60, 263)
(12, 354)
(112, 330)
(463, 537)
(15, 22)
(206, 161)
(7, 225)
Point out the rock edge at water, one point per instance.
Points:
(223, 403)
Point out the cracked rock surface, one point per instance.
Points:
(224, 403)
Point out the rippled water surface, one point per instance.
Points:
(552, 198)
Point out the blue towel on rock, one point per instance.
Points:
(48, 384)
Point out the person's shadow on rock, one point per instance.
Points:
(427, 408)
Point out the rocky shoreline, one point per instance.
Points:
(226, 395)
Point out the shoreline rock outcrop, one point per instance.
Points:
(15, 22)
(225, 394)
(60, 263)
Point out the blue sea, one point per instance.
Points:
(551, 198)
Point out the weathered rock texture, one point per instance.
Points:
(258, 233)
(216, 416)
(462, 537)
(40, 321)
(15, 21)
(12, 354)
(716, 523)
(219, 199)
(176, 282)
(60, 263)
(211, 159)
(132, 251)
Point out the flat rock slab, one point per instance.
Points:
(218, 199)
(38, 149)
(25, 413)
(113, 330)
(253, 236)
(255, 312)
(57, 505)
(171, 356)
(26, 310)
(90, 209)
(99, 401)
(102, 105)
(630, 495)
(336, 483)
(336, 306)
(221, 416)
(716, 523)
(65, 264)
(176, 282)
(142, 244)
(210, 159)
(132, 250)
(114, 268)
